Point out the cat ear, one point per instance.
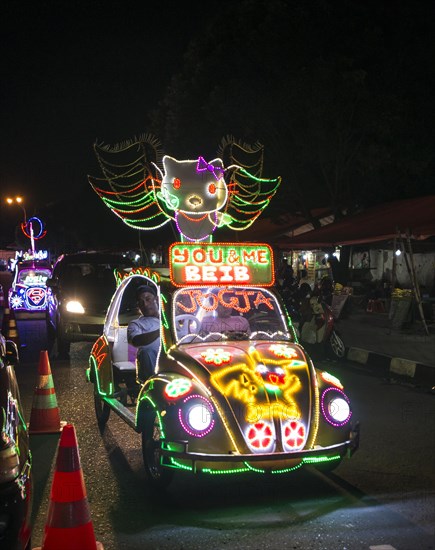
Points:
(217, 162)
(169, 161)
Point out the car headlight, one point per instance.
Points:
(335, 407)
(196, 415)
(74, 307)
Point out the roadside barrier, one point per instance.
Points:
(69, 524)
(45, 416)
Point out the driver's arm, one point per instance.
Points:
(145, 338)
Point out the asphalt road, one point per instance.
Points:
(381, 498)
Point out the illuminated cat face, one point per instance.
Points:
(193, 186)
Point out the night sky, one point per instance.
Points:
(74, 72)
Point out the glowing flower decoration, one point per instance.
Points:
(16, 302)
(280, 350)
(218, 356)
(178, 387)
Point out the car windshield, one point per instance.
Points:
(223, 313)
(101, 273)
(31, 277)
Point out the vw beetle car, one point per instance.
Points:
(15, 458)
(28, 292)
(221, 401)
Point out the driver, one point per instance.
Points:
(144, 332)
(225, 321)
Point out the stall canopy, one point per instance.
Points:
(411, 217)
(290, 223)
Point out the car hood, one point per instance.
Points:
(93, 297)
(269, 385)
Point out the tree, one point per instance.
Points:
(319, 84)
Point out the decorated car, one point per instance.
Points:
(232, 390)
(28, 291)
(227, 397)
(16, 477)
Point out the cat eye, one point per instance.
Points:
(212, 188)
(176, 183)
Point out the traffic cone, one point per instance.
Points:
(10, 331)
(69, 525)
(44, 416)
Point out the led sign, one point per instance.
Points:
(217, 264)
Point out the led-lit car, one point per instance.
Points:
(243, 399)
(15, 458)
(2, 305)
(28, 291)
(79, 293)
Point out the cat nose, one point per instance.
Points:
(194, 200)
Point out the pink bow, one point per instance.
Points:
(203, 165)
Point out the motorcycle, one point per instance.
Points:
(314, 321)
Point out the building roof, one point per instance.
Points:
(414, 217)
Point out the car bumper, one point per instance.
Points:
(176, 454)
(81, 328)
(79, 332)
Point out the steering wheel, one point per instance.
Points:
(186, 324)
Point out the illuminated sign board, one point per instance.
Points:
(216, 264)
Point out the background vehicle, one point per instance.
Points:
(15, 458)
(79, 293)
(315, 323)
(221, 402)
(29, 291)
(2, 305)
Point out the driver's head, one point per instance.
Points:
(147, 300)
(223, 311)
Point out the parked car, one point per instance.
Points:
(2, 306)
(15, 458)
(78, 296)
(230, 394)
(28, 291)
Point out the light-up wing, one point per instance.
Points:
(131, 181)
(248, 192)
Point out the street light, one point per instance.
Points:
(20, 201)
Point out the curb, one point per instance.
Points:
(393, 366)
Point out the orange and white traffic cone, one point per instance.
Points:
(69, 524)
(10, 330)
(45, 416)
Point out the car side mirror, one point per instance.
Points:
(51, 283)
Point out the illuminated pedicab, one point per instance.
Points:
(231, 393)
(28, 291)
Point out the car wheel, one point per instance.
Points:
(63, 346)
(336, 345)
(51, 333)
(102, 409)
(158, 476)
